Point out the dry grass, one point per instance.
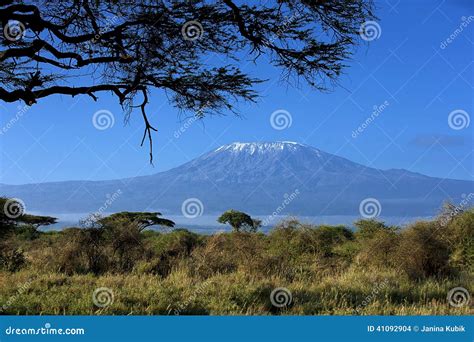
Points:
(378, 270)
(235, 293)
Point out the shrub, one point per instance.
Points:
(379, 250)
(12, 260)
(166, 251)
(81, 251)
(367, 229)
(297, 249)
(123, 242)
(27, 232)
(216, 256)
(348, 250)
(325, 238)
(295, 239)
(459, 234)
(224, 253)
(421, 252)
(177, 243)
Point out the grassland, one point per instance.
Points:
(322, 270)
(227, 294)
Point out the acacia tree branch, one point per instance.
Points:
(148, 126)
(132, 46)
(30, 97)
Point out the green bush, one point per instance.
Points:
(422, 252)
(367, 229)
(298, 239)
(84, 250)
(459, 233)
(12, 260)
(226, 252)
(27, 232)
(164, 251)
(177, 243)
(379, 250)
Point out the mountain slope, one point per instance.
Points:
(256, 177)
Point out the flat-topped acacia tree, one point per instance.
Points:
(128, 47)
(143, 220)
(240, 221)
(13, 216)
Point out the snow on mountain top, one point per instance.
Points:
(260, 147)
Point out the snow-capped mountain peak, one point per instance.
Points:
(259, 147)
(244, 161)
(256, 177)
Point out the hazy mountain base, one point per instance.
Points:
(324, 269)
(207, 224)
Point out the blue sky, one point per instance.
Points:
(411, 70)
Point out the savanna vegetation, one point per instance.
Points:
(373, 269)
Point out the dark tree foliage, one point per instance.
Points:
(12, 215)
(239, 221)
(141, 219)
(38, 221)
(7, 222)
(128, 47)
(368, 229)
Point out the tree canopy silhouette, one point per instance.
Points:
(141, 219)
(12, 215)
(239, 221)
(128, 47)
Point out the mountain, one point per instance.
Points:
(260, 178)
